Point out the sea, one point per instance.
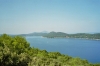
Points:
(82, 48)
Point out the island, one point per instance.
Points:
(95, 36)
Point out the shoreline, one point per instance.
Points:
(74, 38)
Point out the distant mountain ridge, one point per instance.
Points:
(63, 35)
(34, 34)
(77, 35)
(55, 34)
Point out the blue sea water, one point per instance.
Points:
(83, 48)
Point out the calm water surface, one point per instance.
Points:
(85, 49)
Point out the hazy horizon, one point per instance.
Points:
(68, 16)
(49, 32)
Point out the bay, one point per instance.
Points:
(82, 48)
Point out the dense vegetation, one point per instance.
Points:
(78, 35)
(16, 51)
(84, 35)
(55, 35)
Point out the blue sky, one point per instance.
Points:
(69, 16)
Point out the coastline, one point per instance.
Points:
(74, 38)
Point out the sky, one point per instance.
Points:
(69, 16)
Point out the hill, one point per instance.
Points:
(55, 35)
(78, 35)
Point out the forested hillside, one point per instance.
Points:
(78, 35)
(16, 51)
(55, 35)
(85, 35)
